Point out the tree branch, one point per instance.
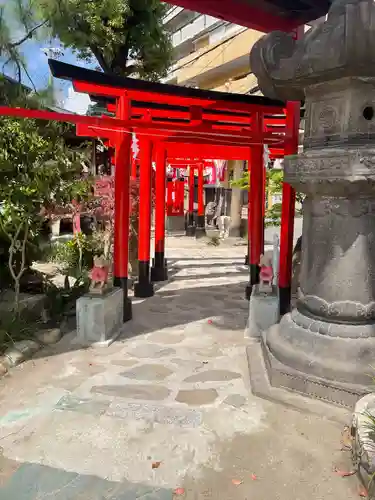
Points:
(28, 35)
(100, 58)
(121, 59)
(29, 77)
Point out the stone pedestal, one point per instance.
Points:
(55, 227)
(263, 312)
(190, 231)
(99, 318)
(326, 346)
(176, 224)
(200, 230)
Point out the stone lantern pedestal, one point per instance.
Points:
(325, 348)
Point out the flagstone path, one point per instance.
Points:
(165, 412)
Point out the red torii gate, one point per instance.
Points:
(214, 119)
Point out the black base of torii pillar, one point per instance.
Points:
(159, 269)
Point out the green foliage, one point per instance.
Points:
(69, 253)
(37, 173)
(274, 185)
(60, 301)
(14, 328)
(17, 16)
(273, 215)
(124, 36)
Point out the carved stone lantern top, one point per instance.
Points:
(342, 46)
(332, 68)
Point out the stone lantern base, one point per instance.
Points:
(302, 381)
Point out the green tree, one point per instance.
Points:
(37, 173)
(125, 37)
(274, 185)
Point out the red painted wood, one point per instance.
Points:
(122, 205)
(173, 99)
(256, 201)
(203, 151)
(191, 189)
(191, 133)
(160, 187)
(144, 236)
(200, 190)
(225, 117)
(289, 200)
(134, 168)
(180, 195)
(240, 12)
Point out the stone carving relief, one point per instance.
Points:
(331, 170)
(336, 310)
(344, 45)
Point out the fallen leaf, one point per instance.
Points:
(363, 492)
(346, 439)
(237, 482)
(156, 465)
(253, 477)
(344, 473)
(179, 491)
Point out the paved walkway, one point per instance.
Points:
(165, 412)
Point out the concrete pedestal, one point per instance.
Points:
(200, 230)
(99, 318)
(263, 312)
(55, 228)
(176, 224)
(190, 231)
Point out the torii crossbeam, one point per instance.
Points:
(167, 119)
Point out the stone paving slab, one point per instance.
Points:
(156, 414)
(38, 482)
(87, 424)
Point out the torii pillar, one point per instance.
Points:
(144, 287)
(159, 271)
(325, 347)
(190, 228)
(200, 230)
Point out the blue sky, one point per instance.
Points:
(38, 69)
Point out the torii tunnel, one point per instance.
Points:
(178, 122)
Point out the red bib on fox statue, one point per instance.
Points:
(266, 272)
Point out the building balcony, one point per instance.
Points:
(177, 17)
(213, 65)
(193, 29)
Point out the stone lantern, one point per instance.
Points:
(325, 347)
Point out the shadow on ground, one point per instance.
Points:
(39, 482)
(182, 300)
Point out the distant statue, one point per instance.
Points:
(266, 272)
(99, 275)
(210, 213)
(224, 226)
